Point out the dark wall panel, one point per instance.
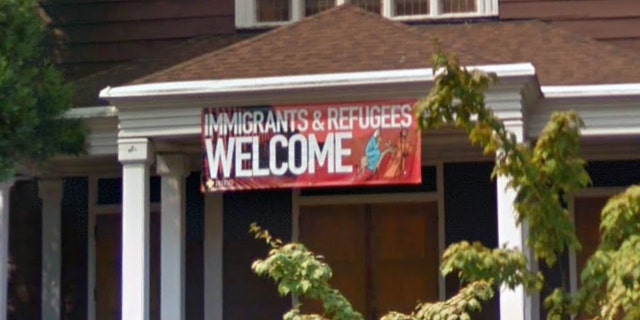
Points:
(25, 262)
(470, 203)
(569, 9)
(556, 276)
(75, 208)
(471, 215)
(614, 173)
(194, 275)
(246, 296)
(110, 190)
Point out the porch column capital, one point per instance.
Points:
(50, 190)
(172, 165)
(135, 150)
(517, 127)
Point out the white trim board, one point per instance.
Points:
(366, 198)
(116, 209)
(588, 91)
(92, 112)
(171, 109)
(117, 94)
(599, 192)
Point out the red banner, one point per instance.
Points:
(355, 144)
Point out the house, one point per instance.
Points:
(126, 232)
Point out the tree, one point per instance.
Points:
(33, 95)
(544, 176)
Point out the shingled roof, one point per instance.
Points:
(559, 56)
(342, 39)
(347, 38)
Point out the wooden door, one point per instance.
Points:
(108, 266)
(405, 256)
(587, 219)
(108, 256)
(587, 212)
(384, 257)
(336, 232)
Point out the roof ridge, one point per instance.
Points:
(281, 29)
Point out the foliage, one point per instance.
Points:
(33, 96)
(611, 277)
(475, 262)
(457, 307)
(544, 176)
(299, 272)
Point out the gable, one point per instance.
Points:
(349, 39)
(343, 39)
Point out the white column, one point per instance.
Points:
(5, 187)
(135, 156)
(213, 255)
(514, 304)
(173, 169)
(50, 192)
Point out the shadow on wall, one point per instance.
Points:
(24, 252)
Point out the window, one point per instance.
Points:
(269, 13)
(312, 7)
(272, 10)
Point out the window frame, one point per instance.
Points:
(246, 18)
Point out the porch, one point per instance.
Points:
(186, 255)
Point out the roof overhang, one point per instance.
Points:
(136, 94)
(173, 109)
(592, 91)
(608, 110)
(102, 124)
